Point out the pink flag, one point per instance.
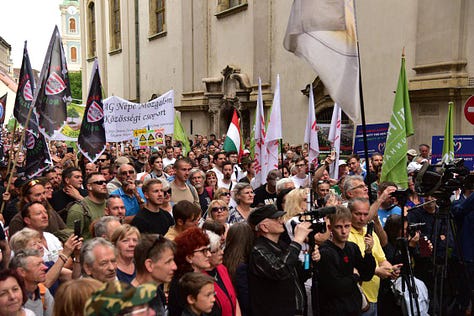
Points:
(311, 132)
(260, 150)
(335, 139)
(272, 139)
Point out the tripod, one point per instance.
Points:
(444, 225)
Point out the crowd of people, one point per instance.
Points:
(156, 231)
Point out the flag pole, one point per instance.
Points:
(282, 161)
(362, 108)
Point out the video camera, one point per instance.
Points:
(440, 181)
(314, 217)
(413, 228)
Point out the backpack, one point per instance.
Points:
(64, 234)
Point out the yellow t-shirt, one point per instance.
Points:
(370, 288)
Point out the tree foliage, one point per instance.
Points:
(75, 80)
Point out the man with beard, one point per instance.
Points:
(227, 181)
(266, 193)
(71, 191)
(53, 178)
(34, 191)
(151, 218)
(196, 177)
(91, 207)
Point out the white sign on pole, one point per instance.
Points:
(122, 117)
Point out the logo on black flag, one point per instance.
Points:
(54, 93)
(37, 155)
(91, 140)
(24, 97)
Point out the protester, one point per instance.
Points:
(125, 238)
(243, 196)
(73, 295)
(13, 295)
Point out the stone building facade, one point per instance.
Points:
(213, 52)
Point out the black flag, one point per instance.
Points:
(91, 140)
(37, 154)
(25, 93)
(3, 107)
(54, 93)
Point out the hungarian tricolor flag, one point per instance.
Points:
(54, 93)
(91, 140)
(25, 93)
(38, 158)
(3, 107)
(232, 139)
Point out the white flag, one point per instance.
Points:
(272, 139)
(311, 132)
(323, 32)
(260, 150)
(335, 139)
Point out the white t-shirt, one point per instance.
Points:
(300, 182)
(54, 247)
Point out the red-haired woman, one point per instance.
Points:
(193, 253)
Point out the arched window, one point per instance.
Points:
(73, 54)
(72, 25)
(115, 31)
(91, 30)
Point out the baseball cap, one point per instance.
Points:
(116, 296)
(412, 152)
(261, 213)
(342, 162)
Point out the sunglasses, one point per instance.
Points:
(101, 160)
(167, 191)
(218, 209)
(226, 194)
(98, 182)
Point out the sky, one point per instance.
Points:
(30, 20)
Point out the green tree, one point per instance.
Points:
(75, 80)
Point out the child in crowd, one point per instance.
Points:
(197, 290)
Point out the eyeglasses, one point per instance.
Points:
(323, 181)
(360, 186)
(218, 209)
(98, 182)
(128, 172)
(203, 250)
(101, 160)
(167, 191)
(300, 165)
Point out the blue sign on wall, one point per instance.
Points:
(376, 137)
(463, 148)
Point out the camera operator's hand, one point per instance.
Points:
(316, 256)
(302, 231)
(369, 243)
(414, 240)
(387, 192)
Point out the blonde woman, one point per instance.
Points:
(219, 211)
(125, 238)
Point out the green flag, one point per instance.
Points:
(180, 135)
(394, 167)
(448, 144)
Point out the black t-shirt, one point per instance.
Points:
(204, 200)
(60, 200)
(262, 197)
(153, 222)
